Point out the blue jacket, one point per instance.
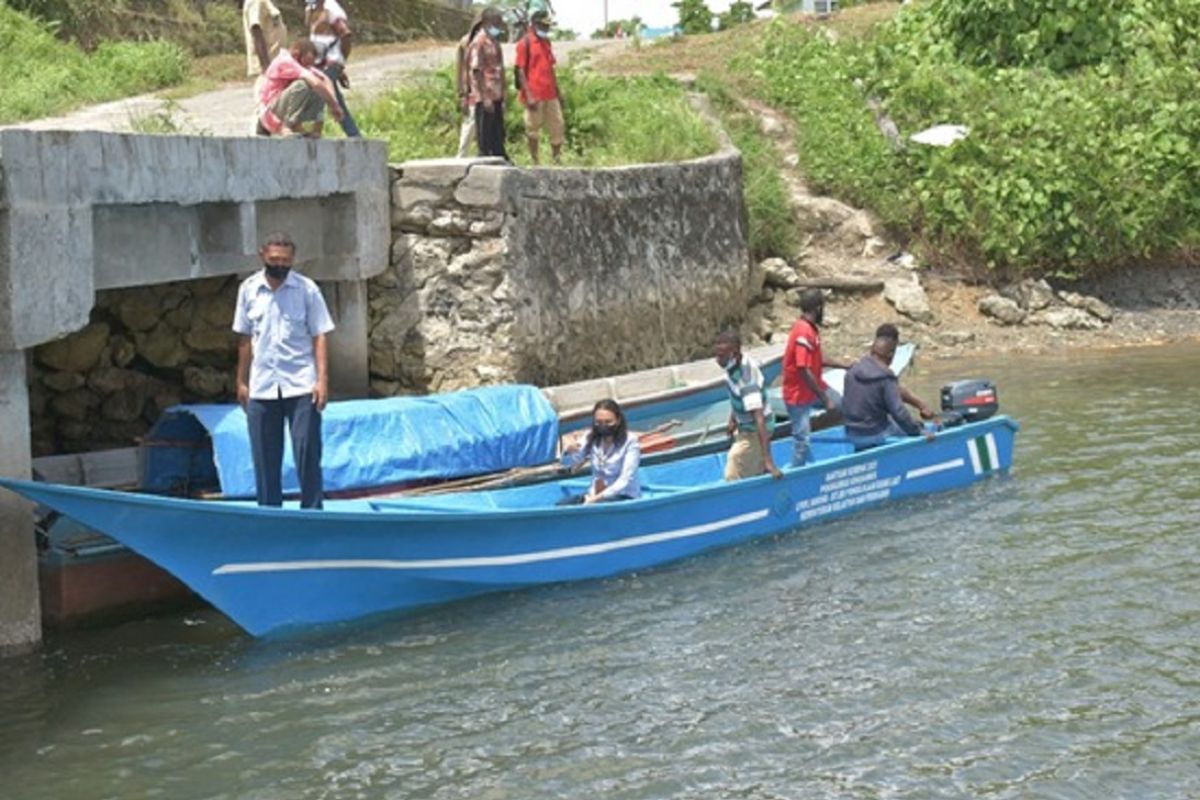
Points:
(871, 398)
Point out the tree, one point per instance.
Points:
(619, 27)
(694, 16)
(739, 13)
(565, 35)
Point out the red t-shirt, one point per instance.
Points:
(803, 350)
(536, 58)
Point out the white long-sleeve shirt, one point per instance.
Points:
(615, 465)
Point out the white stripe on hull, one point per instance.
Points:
(993, 454)
(494, 561)
(933, 469)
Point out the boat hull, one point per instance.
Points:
(271, 570)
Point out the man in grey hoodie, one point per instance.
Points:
(873, 401)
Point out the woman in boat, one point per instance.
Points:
(614, 454)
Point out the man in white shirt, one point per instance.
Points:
(329, 30)
(265, 34)
(282, 372)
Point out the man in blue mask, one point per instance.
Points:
(539, 87)
(282, 372)
(485, 70)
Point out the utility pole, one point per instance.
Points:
(606, 15)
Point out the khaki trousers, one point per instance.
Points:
(745, 457)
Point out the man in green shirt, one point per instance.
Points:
(749, 422)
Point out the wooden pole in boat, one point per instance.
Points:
(512, 477)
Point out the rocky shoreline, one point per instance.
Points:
(951, 316)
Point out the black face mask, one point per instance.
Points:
(276, 273)
(599, 431)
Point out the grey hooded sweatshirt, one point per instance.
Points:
(871, 396)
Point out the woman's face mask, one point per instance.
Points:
(542, 32)
(493, 31)
(600, 430)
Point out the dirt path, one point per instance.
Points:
(229, 111)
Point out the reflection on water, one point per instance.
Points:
(1036, 635)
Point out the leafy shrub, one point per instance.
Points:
(1062, 172)
(1061, 35)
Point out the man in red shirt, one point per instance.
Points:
(803, 387)
(539, 87)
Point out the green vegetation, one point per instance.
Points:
(201, 27)
(1061, 35)
(163, 122)
(738, 13)
(694, 16)
(1082, 152)
(210, 27)
(44, 76)
(772, 228)
(610, 121)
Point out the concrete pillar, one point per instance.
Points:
(20, 615)
(349, 375)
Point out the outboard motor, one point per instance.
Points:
(968, 401)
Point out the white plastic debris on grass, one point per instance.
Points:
(940, 135)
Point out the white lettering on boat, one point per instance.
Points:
(496, 561)
(846, 488)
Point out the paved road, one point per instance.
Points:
(229, 111)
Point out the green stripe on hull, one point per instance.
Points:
(985, 457)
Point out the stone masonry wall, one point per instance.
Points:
(144, 350)
(496, 274)
(548, 276)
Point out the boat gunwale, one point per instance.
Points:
(686, 389)
(241, 507)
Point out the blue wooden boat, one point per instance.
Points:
(271, 570)
(85, 574)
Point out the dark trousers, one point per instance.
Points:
(349, 126)
(266, 419)
(489, 130)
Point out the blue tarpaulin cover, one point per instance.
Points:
(366, 442)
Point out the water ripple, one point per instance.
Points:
(1035, 636)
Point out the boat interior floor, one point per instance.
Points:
(657, 481)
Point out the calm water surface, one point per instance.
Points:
(1035, 636)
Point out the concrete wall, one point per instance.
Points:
(84, 211)
(554, 275)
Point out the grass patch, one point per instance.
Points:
(772, 229)
(610, 121)
(44, 76)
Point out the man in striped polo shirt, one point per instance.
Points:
(749, 422)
